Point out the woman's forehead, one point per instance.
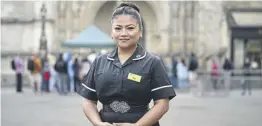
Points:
(124, 20)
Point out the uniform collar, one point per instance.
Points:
(139, 53)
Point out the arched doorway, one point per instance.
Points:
(103, 17)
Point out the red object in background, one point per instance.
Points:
(215, 71)
(47, 75)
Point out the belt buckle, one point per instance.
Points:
(118, 106)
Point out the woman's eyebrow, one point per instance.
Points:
(126, 25)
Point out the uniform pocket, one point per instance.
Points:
(106, 82)
(140, 88)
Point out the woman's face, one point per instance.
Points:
(125, 31)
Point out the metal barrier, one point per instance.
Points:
(9, 80)
(221, 85)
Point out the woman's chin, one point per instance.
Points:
(124, 45)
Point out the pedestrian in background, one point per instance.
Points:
(18, 66)
(34, 66)
(174, 72)
(53, 74)
(214, 75)
(84, 68)
(246, 79)
(228, 67)
(62, 73)
(46, 75)
(71, 73)
(193, 66)
(76, 68)
(182, 74)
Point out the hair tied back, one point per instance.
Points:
(129, 5)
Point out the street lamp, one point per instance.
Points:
(43, 39)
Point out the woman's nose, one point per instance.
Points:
(123, 32)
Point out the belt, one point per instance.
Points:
(123, 107)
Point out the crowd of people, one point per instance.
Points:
(62, 74)
(186, 76)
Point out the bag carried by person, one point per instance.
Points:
(31, 65)
(13, 64)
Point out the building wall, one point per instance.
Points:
(21, 27)
(210, 33)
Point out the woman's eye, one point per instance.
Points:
(130, 28)
(117, 28)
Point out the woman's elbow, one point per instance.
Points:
(87, 102)
(164, 105)
(166, 108)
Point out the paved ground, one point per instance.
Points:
(28, 109)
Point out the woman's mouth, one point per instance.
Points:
(123, 40)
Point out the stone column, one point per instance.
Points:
(209, 18)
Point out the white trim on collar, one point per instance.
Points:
(110, 58)
(139, 58)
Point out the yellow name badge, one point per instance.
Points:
(134, 77)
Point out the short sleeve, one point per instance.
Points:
(161, 85)
(87, 87)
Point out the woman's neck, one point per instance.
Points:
(124, 54)
(126, 51)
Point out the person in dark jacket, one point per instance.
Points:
(193, 63)
(192, 68)
(61, 69)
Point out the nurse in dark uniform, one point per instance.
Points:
(126, 79)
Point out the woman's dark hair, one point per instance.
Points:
(128, 9)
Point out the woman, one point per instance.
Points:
(126, 79)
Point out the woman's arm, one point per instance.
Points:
(154, 114)
(91, 112)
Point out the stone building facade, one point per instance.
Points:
(171, 27)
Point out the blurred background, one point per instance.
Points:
(219, 42)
